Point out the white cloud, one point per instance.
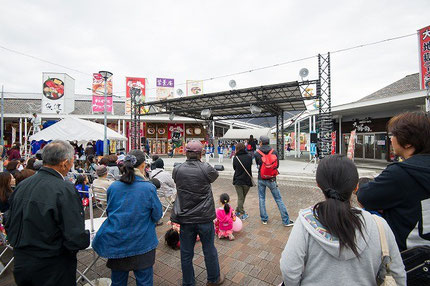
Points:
(202, 39)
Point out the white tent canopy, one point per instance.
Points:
(245, 133)
(76, 129)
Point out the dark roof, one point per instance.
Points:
(29, 106)
(409, 83)
(235, 104)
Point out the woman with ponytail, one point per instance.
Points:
(127, 237)
(333, 243)
(224, 218)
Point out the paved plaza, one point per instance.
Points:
(251, 259)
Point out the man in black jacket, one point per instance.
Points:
(402, 190)
(46, 224)
(194, 210)
(242, 178)
(269, 183)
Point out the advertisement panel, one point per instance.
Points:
(98, 94)
(58, 93)
(135, 91)
(165, 88)
(176, 137)
(351, 146)
(194, 87)
(424, 49)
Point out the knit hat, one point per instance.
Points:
(159, 163)
(101, 170)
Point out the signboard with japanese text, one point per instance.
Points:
(58, 96)
(194, 87)
(424, 49)
(351, 146)
(135, 91)
(165, 88)
(98, 89)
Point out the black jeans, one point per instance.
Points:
(49, 271)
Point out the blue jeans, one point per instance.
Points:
(273, 186)
(187, 237)
(144, 277)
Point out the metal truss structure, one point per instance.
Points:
(270, 100)
(325, 119)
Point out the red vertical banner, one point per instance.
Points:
(98, 105)
(351, 146)
(424, 48)
(176, 136)
(135, 91)
(333, 142)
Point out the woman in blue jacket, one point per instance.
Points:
(127, 237)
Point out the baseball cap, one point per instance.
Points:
(194, 146)
(264, 140)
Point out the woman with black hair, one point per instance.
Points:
(334, 243)
(5, 190)
(127, 237)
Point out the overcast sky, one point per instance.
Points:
(201, 39)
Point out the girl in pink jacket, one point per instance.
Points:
(224, 218)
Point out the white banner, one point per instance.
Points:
(58, 93)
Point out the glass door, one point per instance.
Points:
(381, 149)
(358, 152)
(369, 146)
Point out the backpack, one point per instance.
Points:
(249, 147)
(269, 166)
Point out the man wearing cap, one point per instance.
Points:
(102, 181)
(194, 210)
(270, 183)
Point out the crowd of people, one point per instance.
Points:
(331, 243)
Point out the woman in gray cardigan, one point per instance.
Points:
(333, 243)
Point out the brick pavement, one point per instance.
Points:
(251, 259)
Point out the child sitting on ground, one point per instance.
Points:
(171, 237)
(224, 218)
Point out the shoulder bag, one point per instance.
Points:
(384, 276)
(252, 179)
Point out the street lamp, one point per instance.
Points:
(105, 75)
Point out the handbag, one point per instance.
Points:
(384, 276)
(417, 265)
(252, 179)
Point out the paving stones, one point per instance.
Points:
(251, 259)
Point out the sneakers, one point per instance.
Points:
(264, 221)
(238, 214)
(291, 223)
(244, 216)
(220, 280)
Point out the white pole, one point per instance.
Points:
(26, 136)
(340, 135)
(295, 139)
(20, 131)
(315, 128)
(105, 143)
(309, 143)
(298, 138)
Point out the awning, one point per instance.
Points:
(76, 129)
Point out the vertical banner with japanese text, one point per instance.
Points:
(351, 146)
(98, 94)
(424, 48)
(333, 142)
(194, 87)
(135, 91)
(165, 88)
